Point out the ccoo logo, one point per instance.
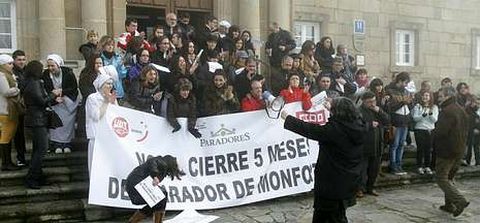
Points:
(120, 127)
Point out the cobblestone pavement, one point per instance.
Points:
(417, 203)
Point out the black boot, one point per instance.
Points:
(7, 165)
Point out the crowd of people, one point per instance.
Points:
(186, 71)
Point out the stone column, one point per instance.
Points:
(224, 9)
(51, 27)
(280, 12)
(94, 16)
(249, 16)
(119, 14)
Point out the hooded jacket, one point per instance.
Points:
(337, 171)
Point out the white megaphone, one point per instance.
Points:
(273, 105)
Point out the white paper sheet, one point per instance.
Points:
(191, 216)
(161, 68)
(213, 66)
(151, 194)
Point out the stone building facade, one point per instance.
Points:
(431, 39)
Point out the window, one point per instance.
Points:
(7, 26)
(404, 48)
(477, 55)
(305, 31)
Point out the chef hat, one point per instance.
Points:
(225, 24)
(101, 79)
(56, 58)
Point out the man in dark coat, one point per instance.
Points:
(279, 77)
(158, 168)
(337, 172)
(278, 45)
(242, 80)
(449, 141)
(376, 119)
(19, 63)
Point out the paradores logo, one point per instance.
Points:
(224, 136)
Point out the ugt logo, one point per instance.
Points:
(120, 127)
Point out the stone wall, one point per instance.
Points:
(445, 32)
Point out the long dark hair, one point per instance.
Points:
(34, 69)
(321, 45)
(88, 74)
(343, 109)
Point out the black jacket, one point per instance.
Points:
(215, 102)
(154, 167)
(36, 100)
(181, 107)
(140, 96)
(324, 57)
(87, 50)
(281, 38)
(398, 100)
(69, 83)
(374, 137)
(337, 172)
(242, 84)
(20, 75)
(85, 84)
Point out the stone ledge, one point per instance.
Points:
(53, 175)
(20, 194)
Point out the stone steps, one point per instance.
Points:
(75, 158)
(53, 175)
(48, 211)
(10, 195)
(71, 210)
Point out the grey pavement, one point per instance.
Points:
(415, 203)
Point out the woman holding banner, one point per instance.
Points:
(158, 168)
(337, 172)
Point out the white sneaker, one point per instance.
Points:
(58, 150)
(67, 150)
(421, 171)
(428, 171)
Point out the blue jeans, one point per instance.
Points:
(396, 148)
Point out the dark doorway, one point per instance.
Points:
(197, 19)
(147, 17)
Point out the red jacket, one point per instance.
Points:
(297, 95)
(126, 37)
(252, 103)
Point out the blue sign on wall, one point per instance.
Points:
(359, 26)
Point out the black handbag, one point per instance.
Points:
(53, 120)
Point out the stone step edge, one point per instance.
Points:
(47, 171)
(56, 188)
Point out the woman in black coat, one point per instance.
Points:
(158, 168)
(183, 104)
(36, 100)
(337, 172)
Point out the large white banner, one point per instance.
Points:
(241, 158)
